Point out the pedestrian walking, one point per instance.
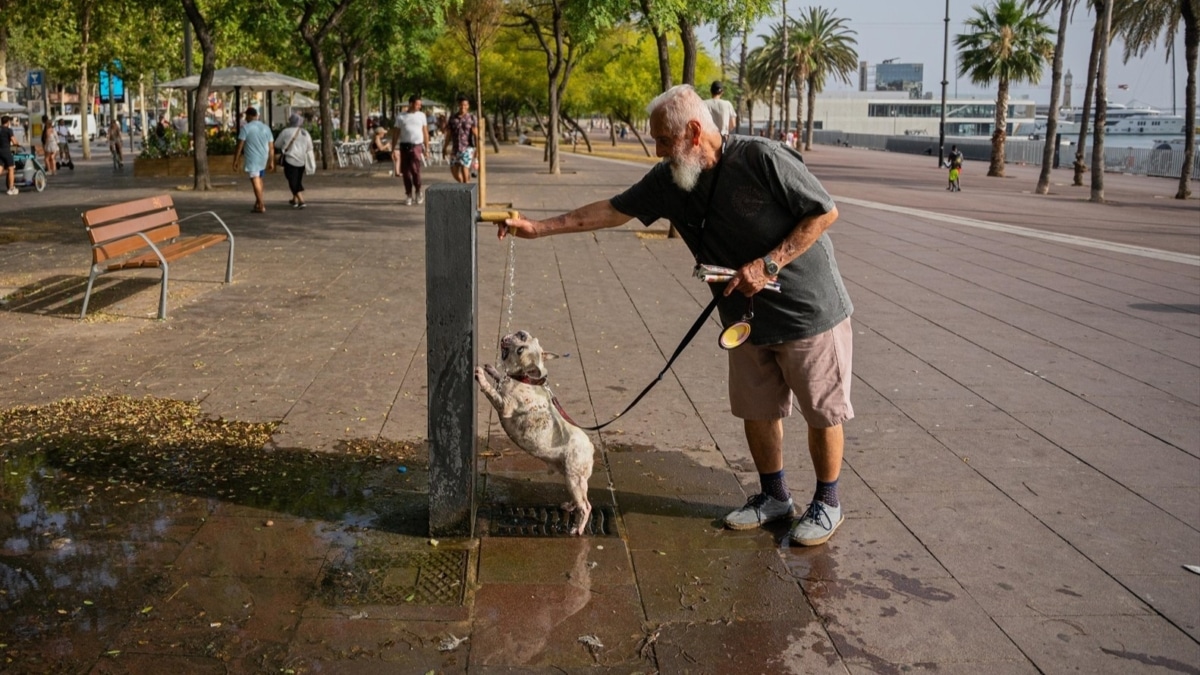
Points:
(751, 205)
(955, 162)
(114, 143)
(461, 134)
(8, 163)
(295, 146)
(723, 114)
(64, 144)
(254, 143)
(49, 146)
(410, 138)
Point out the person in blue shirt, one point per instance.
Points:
(255, 141)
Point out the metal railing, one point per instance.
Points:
(1135, 161)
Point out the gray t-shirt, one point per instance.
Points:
(762, 192)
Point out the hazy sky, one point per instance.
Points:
(911, 31)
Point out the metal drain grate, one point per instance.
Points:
(507, 520)
(383, 578)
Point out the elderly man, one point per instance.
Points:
(751, 205)
(255, 143)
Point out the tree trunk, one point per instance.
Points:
(636, 134)
(663, 45)
(1102, 107)
(538, 117)
(750, 116)
(363, 109)
(347, 98)
(612, 131)
(3, 62)
(723, 49)
(785, 112)
(687, 35)
(996, 166)
(1064, 19)
(799, 82)
(741, 77)
(1086, 118)
(314, 37)
(771, 115)
(812, 107)
(574, 123)
(85, 102)
(208, 66)
(1191, 42)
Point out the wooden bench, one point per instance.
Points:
(145, 233)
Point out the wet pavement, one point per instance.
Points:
(242, 488)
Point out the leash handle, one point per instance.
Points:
(678, 350)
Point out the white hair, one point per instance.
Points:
(681, 104)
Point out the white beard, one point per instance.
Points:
(685, 170)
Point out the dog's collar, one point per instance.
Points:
(525, 379)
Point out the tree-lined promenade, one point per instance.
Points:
(551, 63)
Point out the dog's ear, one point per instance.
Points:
(550, 356)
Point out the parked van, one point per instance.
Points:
(73, 123)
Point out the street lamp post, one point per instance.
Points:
(945, 59)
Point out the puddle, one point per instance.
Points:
(104, 499)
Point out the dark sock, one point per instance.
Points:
(774, 486)
(827, 493)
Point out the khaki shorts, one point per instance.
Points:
(816, 369)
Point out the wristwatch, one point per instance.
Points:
(771, 265)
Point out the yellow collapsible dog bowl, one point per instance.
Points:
(735, 335)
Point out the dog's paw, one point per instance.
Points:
(481, 376)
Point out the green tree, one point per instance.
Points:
(1141, 25)
(1007, 43)
(829, 49)
(563, 30)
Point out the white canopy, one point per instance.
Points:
(237, 77)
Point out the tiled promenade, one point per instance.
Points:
(1022, 478)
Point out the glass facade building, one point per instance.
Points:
(909, 77)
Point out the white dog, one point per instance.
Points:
(532, 420)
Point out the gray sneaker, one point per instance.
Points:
(817, 525)
(420, 197)
(408, 201)
(759, 510)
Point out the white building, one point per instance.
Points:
(876, 112)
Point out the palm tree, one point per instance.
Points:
(762, 78)
(1007, 43)
(1065, 7)
(773, 67)
(829, 51)
(1140, 25)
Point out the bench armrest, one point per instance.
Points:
(214, 215)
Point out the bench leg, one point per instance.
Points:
(87, 295)
(162, 296)
(229, 265)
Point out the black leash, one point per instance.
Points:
(678, 350)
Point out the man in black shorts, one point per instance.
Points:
(7, 163)
(751, 205)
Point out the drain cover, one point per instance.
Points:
(507, 520)
(389, 578)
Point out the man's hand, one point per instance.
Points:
(517, 227)
(750, 279)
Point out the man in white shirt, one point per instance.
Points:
(723, 114)
(410, 142)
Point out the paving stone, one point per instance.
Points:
(746, 646)
(717, 585)
(540, 625)
(888, 619)
(1102, 644)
